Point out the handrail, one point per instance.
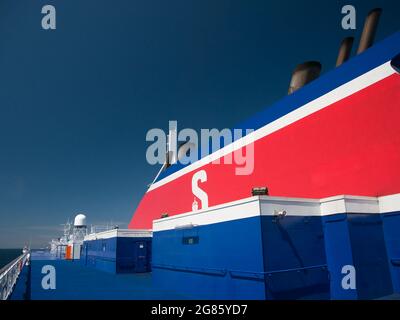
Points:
(256, 275)
(203, 270)
(9, 275)
(261, 275)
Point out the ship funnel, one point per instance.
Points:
(395, 63)
(304, 74)
(370, 26)
(344, 51)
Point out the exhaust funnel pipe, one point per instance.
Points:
(370, 26)
(304, 74)
(395, 63)
(344, 51)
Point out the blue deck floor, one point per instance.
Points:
(75, 281)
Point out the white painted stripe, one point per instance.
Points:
(272, 206)
(236, 210)
(390, 203)
(290, 207)
(121, 233)
(341, 92)
(349, 205)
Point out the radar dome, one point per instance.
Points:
(80, 220)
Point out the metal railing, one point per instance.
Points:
(9, 275)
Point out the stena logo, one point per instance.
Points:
(200, 176)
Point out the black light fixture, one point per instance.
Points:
(259, 191)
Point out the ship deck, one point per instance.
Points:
(77, 282)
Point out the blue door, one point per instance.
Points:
(141, 257)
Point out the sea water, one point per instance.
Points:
(8, 255)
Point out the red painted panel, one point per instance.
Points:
(68, 253)
(351, 147)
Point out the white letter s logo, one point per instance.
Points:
(197, 192)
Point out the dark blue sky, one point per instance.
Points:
(76, 103)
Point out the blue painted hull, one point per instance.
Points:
(255, 258)
(294, 257)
